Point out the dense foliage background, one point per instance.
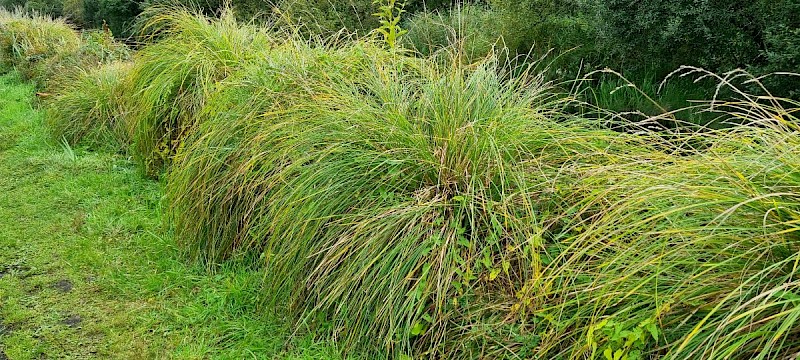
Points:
(650, 37)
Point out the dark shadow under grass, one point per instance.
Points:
(88, 271)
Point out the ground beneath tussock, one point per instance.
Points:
(87, 269)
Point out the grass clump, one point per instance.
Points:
(456, 212)
(294, 72)
(385, 203)
(44, 49)
(28, 41)
(696, 248)
(92, 109)
(172, 77)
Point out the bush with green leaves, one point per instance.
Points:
(717, 35)
(781, 50)
(118, 15)
(538, 26)
(355, 16)
(329, 17)
(46, 7)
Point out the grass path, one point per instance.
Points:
(87, 269)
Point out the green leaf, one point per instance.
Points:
(418, 329)
(487, 258)
(788, 295)
(618, 354)
(493, 274)
(425, 269)
(427, 317)
(608, 353)
(469, 276)
(463, 241)
(497, 226)
(653, 329)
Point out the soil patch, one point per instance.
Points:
(64, 286)
(72, 321)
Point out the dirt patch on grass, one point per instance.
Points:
(63, 286)
(73, 321)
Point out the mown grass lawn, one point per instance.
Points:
(89, 270)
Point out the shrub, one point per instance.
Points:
(90, 109)
(539, 26)
(73, 10)
(719, 36)
(51, 8)
(781, 50)
(329, 17)
(172, 77)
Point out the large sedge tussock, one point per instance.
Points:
(80, 74)
(91, 110)
(396, 198)
(703, 244)
(172, 77)
(28, 41)
(456, 212)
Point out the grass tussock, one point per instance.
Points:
(456, 212)
(92, 109)
(417, 194)
(172, 78)
(44, 49)
(80, 74)
(29, 41)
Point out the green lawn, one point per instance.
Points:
(88, 268)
